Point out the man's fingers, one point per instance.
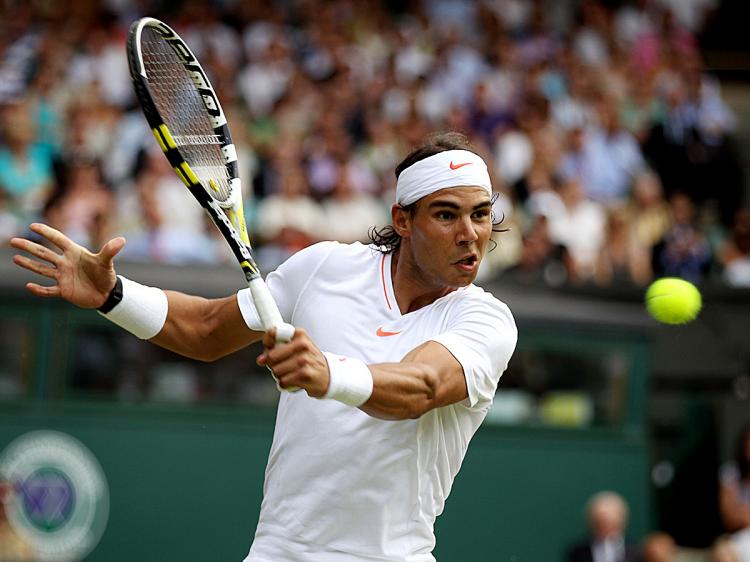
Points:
(42, 291)
(269, 338)
(36, 250)
(112, 248)
(36, 267)
(53, 235)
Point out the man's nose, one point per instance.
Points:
(466, 231)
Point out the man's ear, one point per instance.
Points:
(401, 220)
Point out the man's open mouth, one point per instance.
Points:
(468, 260)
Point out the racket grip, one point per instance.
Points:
(284, 333)
(265, 305)
(270, 317)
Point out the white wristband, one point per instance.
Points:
(142, 310)
(350, 380)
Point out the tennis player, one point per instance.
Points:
(397, 352)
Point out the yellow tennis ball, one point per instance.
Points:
(673, 301)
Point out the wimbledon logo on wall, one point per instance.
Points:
(60, 499)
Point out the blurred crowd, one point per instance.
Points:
(610, 148)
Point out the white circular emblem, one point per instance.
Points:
(60, 500)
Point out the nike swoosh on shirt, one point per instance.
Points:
(382, 333)
(457, 166)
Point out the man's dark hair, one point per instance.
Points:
(385, 238)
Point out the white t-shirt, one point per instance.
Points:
(341, 485)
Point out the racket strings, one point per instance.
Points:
(182, 109)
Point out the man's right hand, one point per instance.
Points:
(82, 278)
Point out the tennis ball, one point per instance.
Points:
(673, 301)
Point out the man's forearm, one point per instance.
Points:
(428, 377)
(401, 390)
(204, 329)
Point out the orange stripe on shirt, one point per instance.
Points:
(382, 278)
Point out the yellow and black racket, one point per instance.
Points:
(185, 115)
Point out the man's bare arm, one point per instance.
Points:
(427, 377)
(204, 329)
(200, 328)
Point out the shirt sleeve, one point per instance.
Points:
(286, 284)
(482, 337)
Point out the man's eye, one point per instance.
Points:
(481, 214)
(444, 215)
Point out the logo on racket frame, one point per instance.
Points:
(195, 71)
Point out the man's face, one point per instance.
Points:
(447, 236)
(607, 519)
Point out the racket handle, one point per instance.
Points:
(284, 333)
(265, 305)
(270, 317)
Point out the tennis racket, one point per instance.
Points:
(186, 118)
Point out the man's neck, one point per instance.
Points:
(411, 290)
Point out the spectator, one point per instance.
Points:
(288, 221)
(81, 206)
(684, 250)
(540, 258)
(735, 255)
(607, 515)
(617, 262)
(649, 217)
(348, 214)
(575, 223)
(641, 109)
(26, 174)
(605, 158)
(734, 486)
(169, 226)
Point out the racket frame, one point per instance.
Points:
(228, 216)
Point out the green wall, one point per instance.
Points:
(187, 484)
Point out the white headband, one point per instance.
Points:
(451, 168)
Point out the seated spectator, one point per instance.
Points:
(288, 221)
(349, 215)
(607, 515)
(735, 255)
(81, 206)
(618, 260)
(161, 221)
(734, 486)
(26, 173)
(605, 158)
(540, 258)
(668, 145)
(648, 213)
(641, 109)
(574, 222)
(684, 250)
